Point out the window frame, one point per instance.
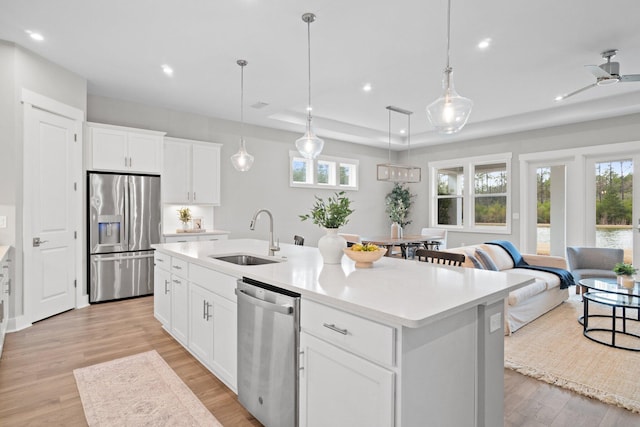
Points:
(335, 164)
(469, 196)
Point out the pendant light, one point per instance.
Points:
(395, 172)
(309, 146)
(450, 112)
(242, 160)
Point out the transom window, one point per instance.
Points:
(472, 194)
(323, 172)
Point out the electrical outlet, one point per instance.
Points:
(3, 221)
(495, 322)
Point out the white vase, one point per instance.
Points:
(396, 231)
(331, 245)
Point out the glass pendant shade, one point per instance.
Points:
(242, 160)
(309, 145)
(450, 112)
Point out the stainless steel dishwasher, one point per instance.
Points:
(268, 341)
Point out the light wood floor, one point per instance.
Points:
(37, 387)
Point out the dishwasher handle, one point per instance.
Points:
(283, 309)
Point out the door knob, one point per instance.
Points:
(37, 242)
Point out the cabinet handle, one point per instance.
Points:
(8, 291)
(208, 314)
(177, 281)
(205, 310)
(125, 162)
(166, 291)
(194, 196)
(334, 328)
(188, 196)
(177, 267)
(130, 162)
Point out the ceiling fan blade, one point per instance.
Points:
(576, 92)
(630, 78)
(597, 71)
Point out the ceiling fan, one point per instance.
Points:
(605, 74)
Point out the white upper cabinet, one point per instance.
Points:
(117, 148)
(191, 172)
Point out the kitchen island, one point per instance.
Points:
(424, 344)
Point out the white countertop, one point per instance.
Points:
(197, 233)
(395, 291)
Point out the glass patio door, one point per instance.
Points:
(613, 205)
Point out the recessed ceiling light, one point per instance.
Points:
(559, 98)
(34, 35)
(367, 87)
(484, 44)
(167, 70)
(403, 131)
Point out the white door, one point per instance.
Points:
(52, 209)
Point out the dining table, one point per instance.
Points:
(403, 242)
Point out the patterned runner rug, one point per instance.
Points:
(552, 348)
(139, 390)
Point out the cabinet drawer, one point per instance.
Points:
(370, 339)
(162, 260)
(179, 267)
(222, 284)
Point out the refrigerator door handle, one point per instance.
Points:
(101, 258)
(127, 213)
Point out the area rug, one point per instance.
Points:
(139, 390)
(553, 349)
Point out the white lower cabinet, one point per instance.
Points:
(213, 324)
(338, 387)
(162, 292)
(179, 312)
(197, 306)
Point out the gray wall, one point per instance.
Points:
(266, 185)
(596, 132)
(22, 69)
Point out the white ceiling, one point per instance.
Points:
(538, 51)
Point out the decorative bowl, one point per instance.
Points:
(365, 259)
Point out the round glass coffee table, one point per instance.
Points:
(618, 323)
(601, 284)
(607, 285)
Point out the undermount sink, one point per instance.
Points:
(244, 259)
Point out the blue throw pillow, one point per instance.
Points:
(486, 260)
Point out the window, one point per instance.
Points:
(472, 194)
(324, 172)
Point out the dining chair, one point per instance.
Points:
(351, 238)
(437, 238)
(440, 257)
(298, 240)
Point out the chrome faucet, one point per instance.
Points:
(273, 247)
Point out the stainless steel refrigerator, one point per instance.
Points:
(123, 222)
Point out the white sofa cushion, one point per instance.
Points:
(551, 280)
(526, 292)
(500, 257)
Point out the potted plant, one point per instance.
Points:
(184, 215)
(625, 274)
(331, 214)
(398, 203)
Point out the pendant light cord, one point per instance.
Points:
(448, 33)
(389, 136)
(242, 103)
(309, 64)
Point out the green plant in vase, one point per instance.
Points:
(625, 274)
(184, 215)
(331, 214)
